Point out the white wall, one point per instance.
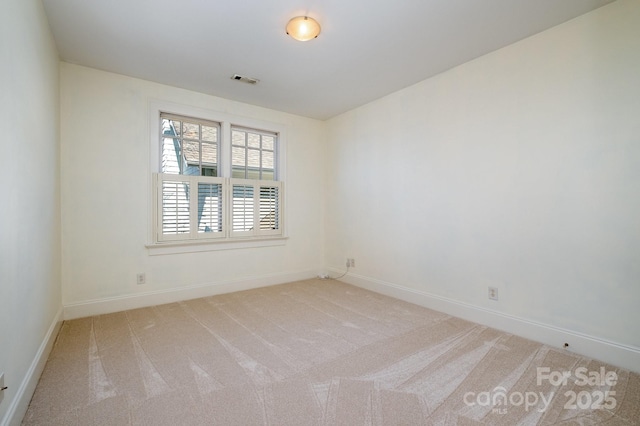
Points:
(30, 294)
(106, 194)
(519, 170)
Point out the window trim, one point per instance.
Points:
(227, 121)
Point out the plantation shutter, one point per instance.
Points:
(210, 206)
(174, 207)
(256, 208)
(242, 208)
(189, 207)
(269, 219)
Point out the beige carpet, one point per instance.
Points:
(316, 353)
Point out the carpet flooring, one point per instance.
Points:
(317, 353)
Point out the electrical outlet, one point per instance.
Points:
(351, 263)
(2, 388)
(493, 293)
(141, 278)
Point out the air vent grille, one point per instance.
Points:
(244, 79)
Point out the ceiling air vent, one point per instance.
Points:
(244, 79)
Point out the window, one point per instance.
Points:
(189, 146)
(253, 154)
(201, 195)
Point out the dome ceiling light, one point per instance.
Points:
(303, 28)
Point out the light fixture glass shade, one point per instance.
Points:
(303, 28)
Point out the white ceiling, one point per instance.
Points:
(367, 48)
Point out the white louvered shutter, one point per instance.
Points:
(242, 208)
(174, 207)
(270, 214)
(189, 207)
(210, 209)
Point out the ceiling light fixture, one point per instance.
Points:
(303, 28)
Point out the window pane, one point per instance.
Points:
(191, 152)
(191, 130)
(237, 138)
(268, 142)
(269, 208)
(253, 140)
(253, 158)
(171, 156)
(209, 153)
(175, 207)
(242, 209)
(238, 173)
(268, 175)
(209, 207)
(191, 170)
(209, 134)
(170, 127)
(238, 156)
(253, 174)
(267, 160)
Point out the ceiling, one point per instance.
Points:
(367, 48)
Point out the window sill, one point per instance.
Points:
(178, 247)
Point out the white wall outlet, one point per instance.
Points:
(2, 388)
(141, 278)
(493, 293)
(351, 263)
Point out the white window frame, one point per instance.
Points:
(228, 240)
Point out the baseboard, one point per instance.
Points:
(20, 402)
(593, 347)
(160, 297)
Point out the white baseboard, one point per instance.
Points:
(593, 347)
(160, 297)
(20, 402)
